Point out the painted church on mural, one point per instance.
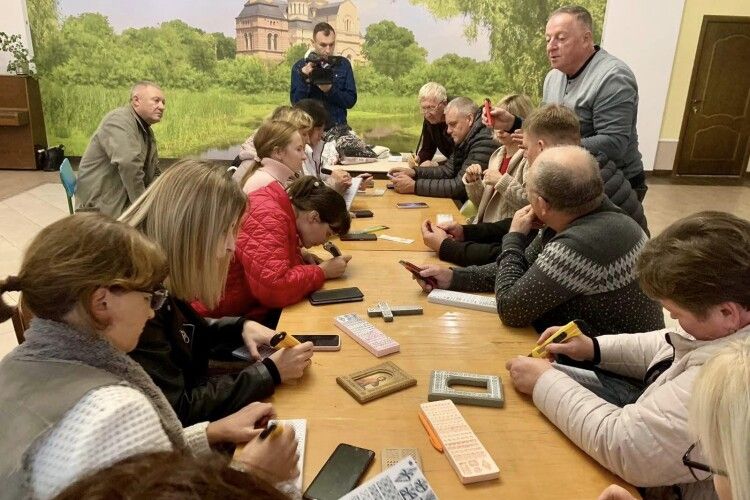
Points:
(267, 28)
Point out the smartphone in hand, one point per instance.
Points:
(488, 112)
(414, 270)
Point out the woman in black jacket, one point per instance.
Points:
(192, 211)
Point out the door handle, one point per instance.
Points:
(696, 103)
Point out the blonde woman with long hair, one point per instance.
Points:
(192, 211)
(71, 400)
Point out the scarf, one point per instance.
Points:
(53, 340)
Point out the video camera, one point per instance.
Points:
(322, 73)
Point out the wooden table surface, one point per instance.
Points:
(401, 222)
(536, 460)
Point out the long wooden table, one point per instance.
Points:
(536, 460)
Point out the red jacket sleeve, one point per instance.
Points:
(268, 252)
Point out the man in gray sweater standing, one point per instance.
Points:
(600, 88)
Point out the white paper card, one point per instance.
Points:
(395, 238)
(404, 480)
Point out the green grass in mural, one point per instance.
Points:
(214, 119)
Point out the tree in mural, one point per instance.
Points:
(226, 47)
(516, 33)
(391, 49)
(45, 32)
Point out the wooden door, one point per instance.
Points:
(716, 124)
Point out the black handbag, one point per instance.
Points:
(50, 159)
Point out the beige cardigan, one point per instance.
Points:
(642, 442)
(500, 201)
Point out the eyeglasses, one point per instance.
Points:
(699, 470)
(158, 296)
(430, 109)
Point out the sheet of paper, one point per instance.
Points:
(405, 241)
(395, 158)
(294, 486)
(586, 378)
(350, 193)
(402, 481)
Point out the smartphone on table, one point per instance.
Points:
(341, 473)
(321, 342)
(358, 237)
(412, 204)
(414, 270)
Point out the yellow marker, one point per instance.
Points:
(282, 339)
(564, 334)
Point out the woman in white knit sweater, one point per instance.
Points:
(699, 269)
(501, 190)
(72, 399)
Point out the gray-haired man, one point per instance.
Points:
(474, 144)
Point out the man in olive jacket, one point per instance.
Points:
(122, 159)
(474, 144)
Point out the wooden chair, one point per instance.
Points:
(21, 320)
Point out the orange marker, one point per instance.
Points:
(434, 440)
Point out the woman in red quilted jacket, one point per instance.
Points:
(269, 271)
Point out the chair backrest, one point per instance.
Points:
(68, 180)
(21, 320)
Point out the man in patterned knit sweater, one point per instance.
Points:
(580, 266)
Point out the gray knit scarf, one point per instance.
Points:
(52, 340)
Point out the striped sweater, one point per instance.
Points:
(587, 271)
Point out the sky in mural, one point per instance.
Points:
(439, 37)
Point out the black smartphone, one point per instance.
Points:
(322, 342)
(341, 473)
(362, 214)
(332, 249)
(358, 237)
(336, 296)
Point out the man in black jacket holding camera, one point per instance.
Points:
(325, 77)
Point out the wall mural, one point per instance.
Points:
(225, 67)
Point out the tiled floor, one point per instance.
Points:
(25, 210)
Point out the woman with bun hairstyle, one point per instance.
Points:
(269, 271)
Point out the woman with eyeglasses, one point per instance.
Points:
(699, 269)
(192, 212)
(71, 400)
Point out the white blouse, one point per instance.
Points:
(107, 425)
